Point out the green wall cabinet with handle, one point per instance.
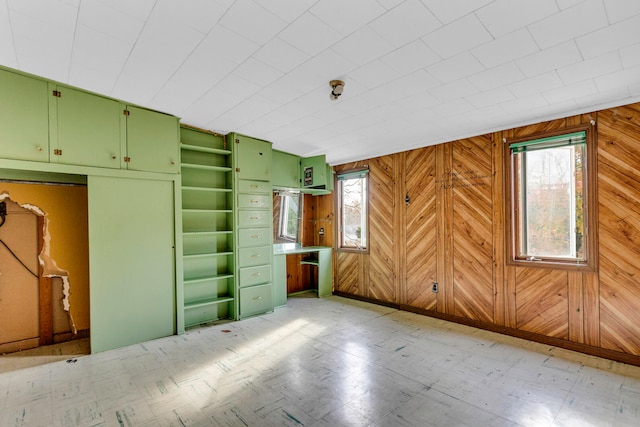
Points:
(85, 128)
(254, 224)
(150, 141)
(24, 120)
(285, 170)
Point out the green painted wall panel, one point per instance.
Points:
(131, 247)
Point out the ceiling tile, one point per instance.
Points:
(222, 44)
(257, 72)
(411, 57)
(574, 22)
(374, 74)
(287, 9)
(139, 9)
(449, 10)
(622, 34)
(252, 21)
(310, 34)
(508, 48)
(612, 81)
(7, 51)
(620, 10)
(99, 16)
(456, 68)
(550, 59)
(496, 77)
(459, 36)
(363, 46)
(590, 68)
(347, 16)
(567, 93)
(201, 15)
(281, 55)
(405, 23)
(504, 16)
(450, 91)
(490, 97)
(524, 104)
(535, 85)
(630, 56)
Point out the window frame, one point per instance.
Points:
(512, 226)
(283, 217)
(364, 172)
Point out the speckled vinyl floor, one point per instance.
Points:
(326, 362)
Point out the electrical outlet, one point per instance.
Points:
(434, 287)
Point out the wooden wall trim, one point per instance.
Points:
(497, 187)
(444, 210)
(504, 330)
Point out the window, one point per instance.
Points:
(287, 213)
(352, 220)
(552, 200)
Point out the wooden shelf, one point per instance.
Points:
(208, 301)
(205, 149)
(206, 167)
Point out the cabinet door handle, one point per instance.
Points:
(113, 157)
(39, 149)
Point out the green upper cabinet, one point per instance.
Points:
(85, 128)
(285, 170)
(152, 141)
(24, 121)
(313, 172)
(253, 158)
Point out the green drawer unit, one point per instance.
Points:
(247, 186)
(250, 276)
(254, 218)
(249, 257)
(248, 237)
(254, 201)
(256, 300)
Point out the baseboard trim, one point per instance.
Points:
(617, 356)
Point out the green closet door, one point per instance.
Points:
(131, 253)
(24, 118)
(152, 141)
(88, 130)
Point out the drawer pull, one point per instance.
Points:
(255, 236)
(255, 218)
(255, 256)
(256, 274)
(253, 186)
(254, 201)
(257, 298)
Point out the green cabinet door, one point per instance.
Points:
(152, 141)
(285, 170)
(131, 260)
(253, 158)
(313, 171)
(24, 118)
(87, 130)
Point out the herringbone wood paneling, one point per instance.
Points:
(349, 273)
(421, 240)
(541, 301)
(619, 227)
(382, 278)
(473, 228)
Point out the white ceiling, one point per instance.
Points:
(417, 72)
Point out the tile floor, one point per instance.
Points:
(326, 362)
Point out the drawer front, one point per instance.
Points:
(254, 201)
(255, 300)
(254, 218)
(255, 275)
(250, 237)
(253, 186)
(248, 257)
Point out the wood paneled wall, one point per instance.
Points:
(452, 233)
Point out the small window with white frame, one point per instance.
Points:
(352, 206)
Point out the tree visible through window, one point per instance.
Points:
(352, 189)
(550, 200)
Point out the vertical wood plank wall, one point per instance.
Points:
(452, 232)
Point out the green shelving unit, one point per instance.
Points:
(207, 223)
